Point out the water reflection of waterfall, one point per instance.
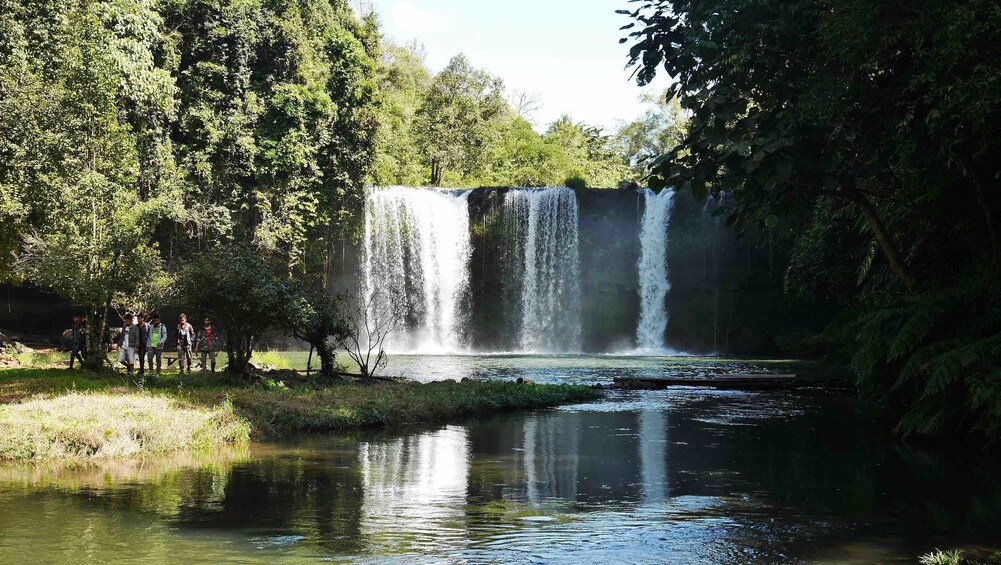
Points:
(542, 230)
(417, 250)
(653, 274)
(653, 454)
(551, 450)
(417, 487)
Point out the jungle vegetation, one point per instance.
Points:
(218, 150)
(863, 133)
(141, 139)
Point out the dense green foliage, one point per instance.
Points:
(150, 149)
(142, 136)
(865, 132)
(236, 287)
(460, 128)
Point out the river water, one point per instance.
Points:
(677, 476)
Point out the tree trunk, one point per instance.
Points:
(436, 173)
(328, 362)
(885, 241)
(239, 348)
(97, 327)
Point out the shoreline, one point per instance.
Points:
(54, 429)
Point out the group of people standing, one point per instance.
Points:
(145, 341)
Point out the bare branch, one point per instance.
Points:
(525, 104)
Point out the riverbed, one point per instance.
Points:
(683, 475)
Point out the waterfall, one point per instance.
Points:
(545, 260)
(417, 251)
(653, 276)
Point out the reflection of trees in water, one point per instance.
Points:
(816, 457)
(312, 490)
(783, 469)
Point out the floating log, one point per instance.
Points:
(743, 381)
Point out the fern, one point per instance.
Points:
(932, 360)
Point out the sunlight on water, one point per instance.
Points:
(680, 475)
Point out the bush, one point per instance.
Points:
(576, 182)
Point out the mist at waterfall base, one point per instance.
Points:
(562, 271)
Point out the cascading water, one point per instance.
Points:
(545, 260)
(417, 251)
(653, 275)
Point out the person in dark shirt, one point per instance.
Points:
(144, 328)
(79, 339)
(185, 339)
(208, 342)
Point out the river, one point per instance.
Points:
(681, 476)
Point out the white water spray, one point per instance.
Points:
(542, 224)
(417, 251)
(653, 275)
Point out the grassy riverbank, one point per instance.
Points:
(43, 407)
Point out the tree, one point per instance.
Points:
(801, 110)
(84, 108)
(317, 317)
(657, 131)
(404, 81)
(591, 156)
(239, 288)
(455, 122)
(371, 319)
(276, 126)
(525, 104)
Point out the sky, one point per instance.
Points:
(567, 51)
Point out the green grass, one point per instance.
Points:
(92, 425)
(304, 408)
(272, 357)
(41, 358)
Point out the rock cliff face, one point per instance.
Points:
(726, 293)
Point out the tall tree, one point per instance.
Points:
(455, 122)
(84, 111)
(404, 81)
(277, 118)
